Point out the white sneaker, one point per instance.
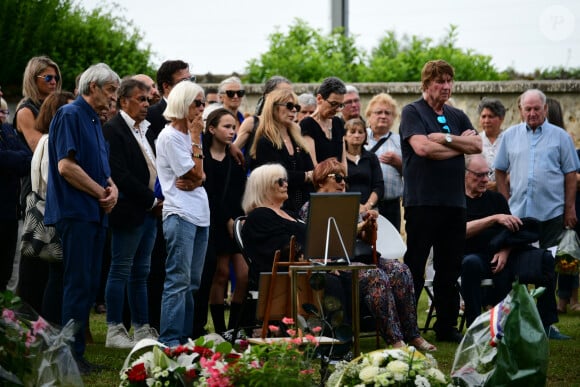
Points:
(145, 332)
(117, 337)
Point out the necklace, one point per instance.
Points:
(353, 157)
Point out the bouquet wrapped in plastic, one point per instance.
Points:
(497, 347)
(32, 352)
(568, 253)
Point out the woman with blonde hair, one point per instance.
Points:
(41, 78)
(278, 140)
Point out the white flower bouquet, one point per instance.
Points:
(389, 367)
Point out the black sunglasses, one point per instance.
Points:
(338, 177)
(289, 106)
(199, 102)
(231, 93)
(49, 78)
(443, 121)
(281, 181)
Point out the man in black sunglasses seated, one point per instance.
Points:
(434, 138)
(497, 247)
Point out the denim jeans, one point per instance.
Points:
(82, 246)
(130, 262)
(186, 247)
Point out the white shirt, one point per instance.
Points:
(174, 160)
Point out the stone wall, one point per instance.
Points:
(466, 96)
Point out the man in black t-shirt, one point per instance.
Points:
(488, 215)
(434, 138)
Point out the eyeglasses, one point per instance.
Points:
(211, 102)
(49, 78)
(335, 105)
(289, 106)
(443, 121)
(192, 78)
(382, 112)
(338, 177)
(199, 102)
(351, 101)
(231, 93)
(281, 181)
(480, 175)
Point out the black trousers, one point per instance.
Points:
(442, 228)
(391, 209)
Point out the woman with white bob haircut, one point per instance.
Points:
(185, 209)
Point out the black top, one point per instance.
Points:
(264, 233)
(15, 159)
(296, 166)
(429, 182)
(490, 203)
(366, 177)
(156, 120)
(324, 147)
(225, 198)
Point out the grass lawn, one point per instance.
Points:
(563, 369)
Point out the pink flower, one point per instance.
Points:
(316, 329)
(296, 340)
(8, 315)
(273, 328)
(38, 325)
(311, 339)
(244, 344)
(307, 371)
(288, 321)
(29, 339)
(291, 332)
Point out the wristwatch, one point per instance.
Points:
(448, 138)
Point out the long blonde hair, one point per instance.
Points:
(270, 124)
(35, 66)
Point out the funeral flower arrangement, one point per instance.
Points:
(32, 352)
(210, 361)
(389, 367)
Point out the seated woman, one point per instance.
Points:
(388, 290)
(269, 228)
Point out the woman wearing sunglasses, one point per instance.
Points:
(231, 92)
(278, 140)
(186, 214)
(364, 170)
(387, 291)
(323, 130)
(41, 77)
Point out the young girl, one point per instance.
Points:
(225, 183)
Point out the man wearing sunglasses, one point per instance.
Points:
(434, 139)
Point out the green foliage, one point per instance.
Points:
(71, 36)
(305, 55)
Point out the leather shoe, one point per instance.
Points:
(452, 336)
(554, 334)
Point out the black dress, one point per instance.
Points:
(264, 232)
(366, 177)
(324, 147)
(296, 165)
(225, 199)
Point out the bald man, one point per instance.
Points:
(153, 95)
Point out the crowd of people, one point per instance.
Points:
(143, 181)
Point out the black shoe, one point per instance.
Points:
(86, 367)
(452, 336)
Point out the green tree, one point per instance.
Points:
(306, 55)
(71, 36)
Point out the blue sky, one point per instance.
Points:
(220, 36)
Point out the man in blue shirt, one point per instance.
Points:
(542, 163)
(80, 194)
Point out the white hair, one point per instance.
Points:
(180, 98)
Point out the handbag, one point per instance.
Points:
(38, 239)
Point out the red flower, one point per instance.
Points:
(137, 373)
(203, 351)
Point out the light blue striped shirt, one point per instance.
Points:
(392, 178)
(537, 162)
